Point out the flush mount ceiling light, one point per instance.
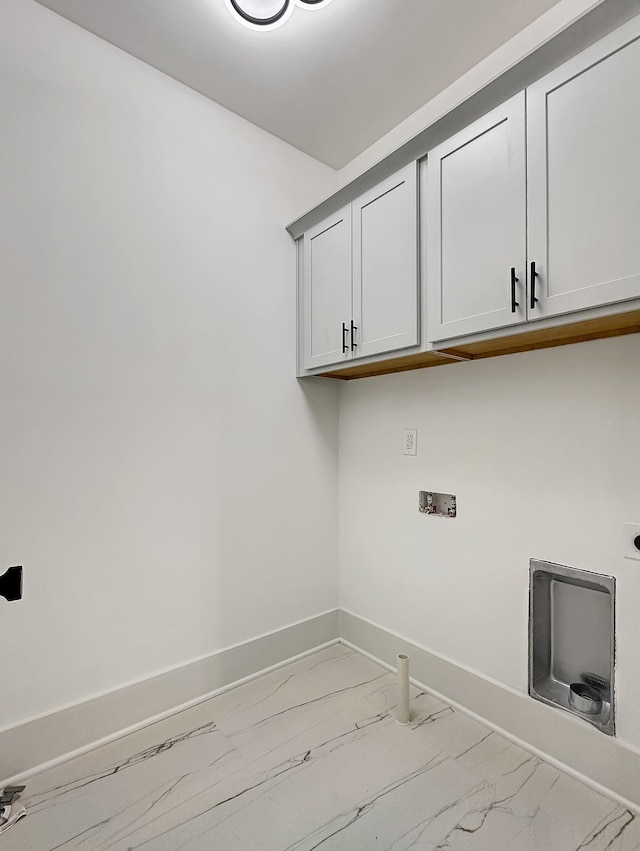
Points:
(268, 14)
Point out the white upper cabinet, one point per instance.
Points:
(476, 226)
(385, 265)
(360, 276)
(584, 178)
(326, 291)
(530, 213)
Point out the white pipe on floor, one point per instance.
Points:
(404, 715)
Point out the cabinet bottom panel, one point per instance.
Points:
(543, 338)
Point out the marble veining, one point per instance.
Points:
(309, 757)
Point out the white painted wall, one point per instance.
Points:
(166, 482)
(542, 452)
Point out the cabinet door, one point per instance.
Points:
(385, 265)
(583, 124)
(476, 226)
(327, 291)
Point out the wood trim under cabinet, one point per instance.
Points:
(542, 338)
(421, 360)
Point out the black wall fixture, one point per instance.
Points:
(11, 584)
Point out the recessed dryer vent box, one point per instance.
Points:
(572, 641)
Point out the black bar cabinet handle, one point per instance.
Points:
(345, 331)
(514, 281)
(532, 285)
(354, 328)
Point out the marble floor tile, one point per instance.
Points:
(309, 756)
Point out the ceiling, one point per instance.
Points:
(330, 81)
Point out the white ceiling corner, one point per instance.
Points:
(330, 82)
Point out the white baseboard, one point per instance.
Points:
(601, 762)
(57, 736)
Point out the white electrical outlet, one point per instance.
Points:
(631, 532)
(410, 441)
